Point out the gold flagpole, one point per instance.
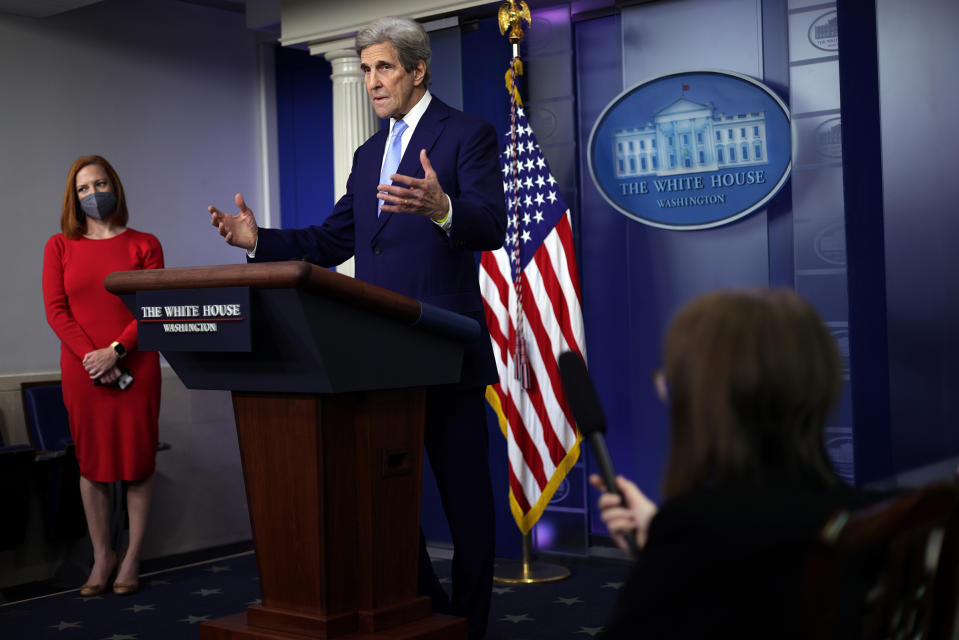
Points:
(511, 16)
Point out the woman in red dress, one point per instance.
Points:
(113, 421)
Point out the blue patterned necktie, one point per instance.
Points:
(393, 154)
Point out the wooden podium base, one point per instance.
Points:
(434, 627)
(329, 396)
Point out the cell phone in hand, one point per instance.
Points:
(125, 379)
(123, 382)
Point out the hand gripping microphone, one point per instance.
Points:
(588, 413)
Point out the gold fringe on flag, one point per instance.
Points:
(515, 70)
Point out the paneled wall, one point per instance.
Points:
(817, 194)
(920, 153)
(634, 276)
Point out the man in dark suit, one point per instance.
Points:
(414, 230)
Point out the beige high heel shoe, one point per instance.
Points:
(90, 590)
(126, 588)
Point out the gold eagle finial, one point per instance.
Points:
(511, 16)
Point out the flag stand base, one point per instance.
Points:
(528, 572)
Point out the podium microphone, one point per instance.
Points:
(588, 413)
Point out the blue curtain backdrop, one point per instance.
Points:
(304, 111)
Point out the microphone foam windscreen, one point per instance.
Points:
(583, 401)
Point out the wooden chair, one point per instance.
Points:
(887, 571)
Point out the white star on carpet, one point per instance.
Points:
(567, 601)
(592, 631)
(612, 585)
(194, 619)
(137, 608)
(208, 592)
(445, 580)
(520, 618)
(501, 590)
(216, 569)
(65, 625)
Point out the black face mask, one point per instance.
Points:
(98, 205)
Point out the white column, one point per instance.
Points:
(268, 210)
(353, 121)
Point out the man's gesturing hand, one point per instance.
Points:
(419, 196)
(239, 230)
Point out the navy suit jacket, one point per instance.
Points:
(410, 254)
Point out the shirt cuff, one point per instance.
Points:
(445, 224)
(251, 253)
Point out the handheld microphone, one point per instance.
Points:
(588, 413)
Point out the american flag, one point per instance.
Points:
(531, 296)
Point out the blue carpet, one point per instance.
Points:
(172, 604)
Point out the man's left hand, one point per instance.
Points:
(419, 196)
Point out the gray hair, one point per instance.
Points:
(408, 37)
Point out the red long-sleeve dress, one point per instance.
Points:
(115, 431)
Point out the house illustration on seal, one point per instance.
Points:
(687, 136)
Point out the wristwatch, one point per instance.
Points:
(119, 348)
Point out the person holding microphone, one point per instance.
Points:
(749, 377)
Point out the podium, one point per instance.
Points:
(329, 406)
